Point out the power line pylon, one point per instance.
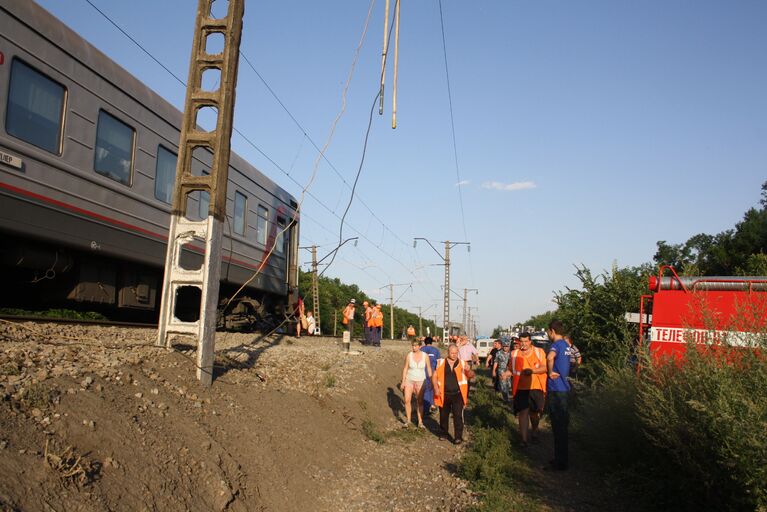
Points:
(208, 231)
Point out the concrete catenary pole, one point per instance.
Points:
(446, 309)
(177, 280)
(315, 289)
(465, 304)
(391, 311)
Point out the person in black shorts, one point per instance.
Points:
(527, 367)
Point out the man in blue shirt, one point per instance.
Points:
(558, 366)
(428, 391)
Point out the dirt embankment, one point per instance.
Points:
(96, 418)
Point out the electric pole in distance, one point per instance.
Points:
(391, 304)
(465, 303)
(315, 278)
(446, 259)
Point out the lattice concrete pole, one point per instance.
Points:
(217, 141)
(465, 326)
(446, 310)
(315, 289)
(391, 312)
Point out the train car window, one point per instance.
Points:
(35, 110)
(240, 204)
(114, 148)
(204, 204)
(279, 241)
(261, 227)
(165, 174)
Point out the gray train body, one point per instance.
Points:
(87, 162)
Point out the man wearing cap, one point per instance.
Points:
(500, 363)
(490, 361)
(348, 319)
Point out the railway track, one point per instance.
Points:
(75, 321)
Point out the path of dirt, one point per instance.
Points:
(95, 418)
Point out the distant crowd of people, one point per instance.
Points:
(372, 326)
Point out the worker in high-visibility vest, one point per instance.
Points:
(366, 327)
(410, 333)
(376, 319)
(451, 392)
(527, 367)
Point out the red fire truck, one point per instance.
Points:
(715, 311)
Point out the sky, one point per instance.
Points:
(585, 131)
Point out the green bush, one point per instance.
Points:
(690, 435)
(709, 417)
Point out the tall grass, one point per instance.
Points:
(495, 470)
(689, 435)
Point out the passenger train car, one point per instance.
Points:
(87, 166)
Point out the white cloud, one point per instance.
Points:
(462, 183)
(509, 187)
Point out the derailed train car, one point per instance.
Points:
(87, 165)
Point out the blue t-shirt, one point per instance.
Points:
(433, 353)
(561, 366)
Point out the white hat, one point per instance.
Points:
(352, 301)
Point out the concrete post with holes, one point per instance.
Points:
(208, 231)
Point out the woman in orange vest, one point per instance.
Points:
(527, 366)
(451, 393)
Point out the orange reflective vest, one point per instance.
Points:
(376, 318)
(518, 363)
(460, 375)
(368, 315)
(348, 314)
(411, 331)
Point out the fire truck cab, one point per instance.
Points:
(711, 310)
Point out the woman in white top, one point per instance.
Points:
(416, 369)
(311, 323)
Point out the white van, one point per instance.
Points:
(484, 346)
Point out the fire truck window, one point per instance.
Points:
(35, 109)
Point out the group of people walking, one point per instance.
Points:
(534, 381)
(527, 377)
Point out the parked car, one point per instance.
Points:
(541, 340)
(484, 346)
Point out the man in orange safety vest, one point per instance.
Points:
(451, 392)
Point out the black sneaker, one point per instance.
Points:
(458, 441)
